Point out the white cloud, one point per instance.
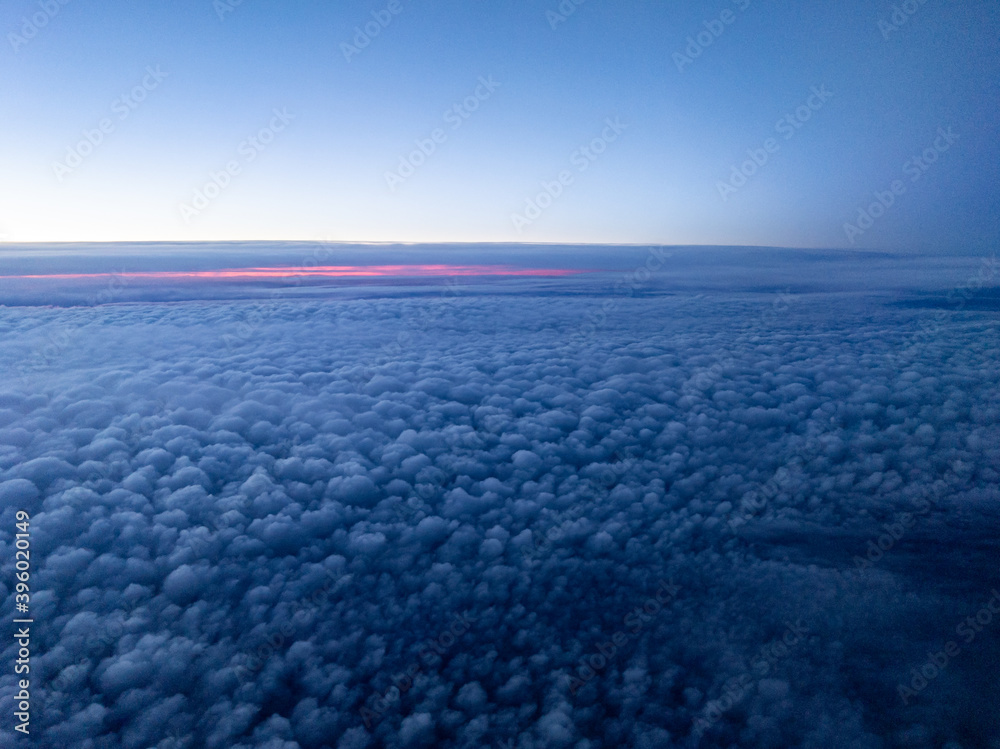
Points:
(250, 547)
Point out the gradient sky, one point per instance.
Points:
(230, 66)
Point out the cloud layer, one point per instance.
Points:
(481, 521)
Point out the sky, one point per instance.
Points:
(847, 125)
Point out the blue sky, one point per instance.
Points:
(612, 123)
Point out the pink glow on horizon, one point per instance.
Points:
(325, 271)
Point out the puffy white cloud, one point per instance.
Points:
(279, 539)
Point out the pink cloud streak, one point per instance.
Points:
(324, 271)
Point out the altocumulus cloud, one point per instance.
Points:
(253, 547)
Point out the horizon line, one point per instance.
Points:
(4, 244)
